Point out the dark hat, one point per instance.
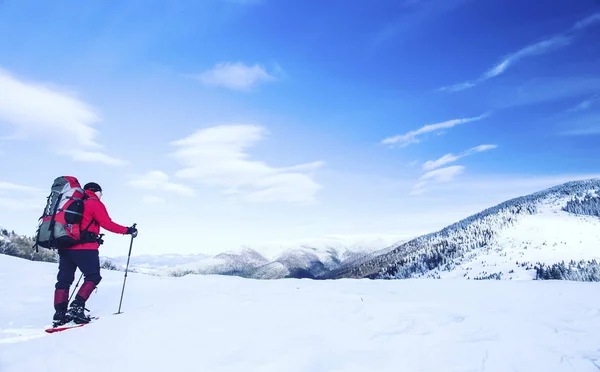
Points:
(92, 186)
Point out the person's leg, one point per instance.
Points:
(64, 279)
(88, 262)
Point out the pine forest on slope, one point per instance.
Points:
(550, 234)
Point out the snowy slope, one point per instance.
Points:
(223, 323)
(548, 237)
(500, 242)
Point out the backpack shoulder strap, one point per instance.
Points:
(85, 198)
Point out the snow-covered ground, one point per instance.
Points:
(225, 323)
(548, 237)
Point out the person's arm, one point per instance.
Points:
(100, 214)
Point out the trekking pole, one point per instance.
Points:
(76, 285)
(126, 268)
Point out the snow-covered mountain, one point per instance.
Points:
(304, 259)
(295, 262)
(551, 234)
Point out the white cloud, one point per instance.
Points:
(57, 118)
(450, 158)
(482, 148)
(433, 164)
(8, 186)
(217, 157)
(235, 76)
(547, 45)
(159, 181)
(541, 47)
(445, 175)
(411, 137)
(442, 175)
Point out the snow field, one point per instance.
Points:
(220, 323)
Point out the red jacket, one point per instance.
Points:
(94, 212)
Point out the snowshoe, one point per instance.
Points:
(77, 315)
(60, 318)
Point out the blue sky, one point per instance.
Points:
(224, 123)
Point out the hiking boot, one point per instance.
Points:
(60, 318)
(76, 313)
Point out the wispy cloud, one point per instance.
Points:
(543, 90)
(217, 157)
(482, 148)
(450, 158)
(585, 125)
(446, 159)
(588, 103)
(404, 140)
(19, 197)
(542, 47)
(8, 186)
(235, 76)
(442, 175)
(586, 22)
(19, 204)
(59, 119)
(159, 181)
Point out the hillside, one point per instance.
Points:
(301, 325)
(551, 234)
(16, 245)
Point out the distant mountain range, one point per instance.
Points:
(551, 234)
(294, 262)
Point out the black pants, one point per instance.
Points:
(88, 262)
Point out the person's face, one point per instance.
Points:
(99, 194)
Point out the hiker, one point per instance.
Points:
(84, 256)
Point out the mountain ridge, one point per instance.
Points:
(427, 252)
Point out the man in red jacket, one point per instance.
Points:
(84, 256)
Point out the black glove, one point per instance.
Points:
(132, 231)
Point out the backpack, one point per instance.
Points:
(60, 224)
